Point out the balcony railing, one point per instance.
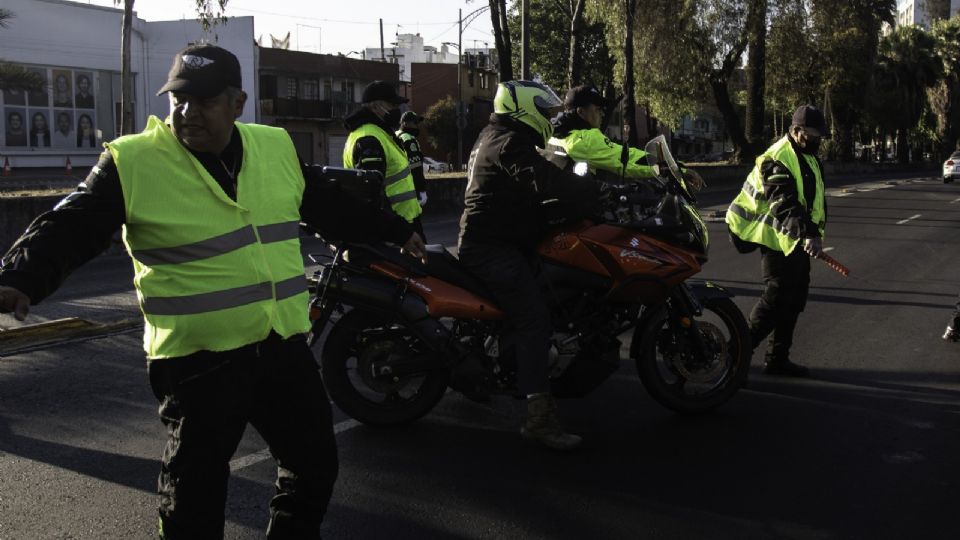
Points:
(322, 109)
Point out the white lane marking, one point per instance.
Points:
(955, 200)
(902, 221)
(263, 455)
(828, 249)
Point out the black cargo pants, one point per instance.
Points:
(787, 280)
(510, 274)
(206, 401)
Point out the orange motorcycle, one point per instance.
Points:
(406, 331)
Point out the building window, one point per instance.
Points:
(291, 87)
(327, 89)
(268, 86)
(470, 78)
(310, 89)
(351, 92)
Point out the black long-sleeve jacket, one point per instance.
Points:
(82, 224)
(507, 179)
(780, 188)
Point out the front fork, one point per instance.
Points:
(682, 316)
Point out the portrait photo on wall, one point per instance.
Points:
(15, 126)
(84, 90)
(39, 98)
(39, 129)
(62, 88)
(64, 136)
(86, 134)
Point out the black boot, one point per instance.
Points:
(785, 367)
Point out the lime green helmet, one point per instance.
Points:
(529, 102)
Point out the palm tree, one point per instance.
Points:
(907, 67)
(14, 77)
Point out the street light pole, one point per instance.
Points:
(525, 41)
(460, 91)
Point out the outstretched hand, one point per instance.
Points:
(12, 300)
(415, 248)
(813, 247)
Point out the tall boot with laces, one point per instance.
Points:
(543, 426)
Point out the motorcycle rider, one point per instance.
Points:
(501, 225)
(577, 137)
(780, 208)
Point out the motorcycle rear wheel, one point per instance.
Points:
(359, 338)
(684, 380)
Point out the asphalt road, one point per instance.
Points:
(865, 449)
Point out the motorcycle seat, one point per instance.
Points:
(441, 264)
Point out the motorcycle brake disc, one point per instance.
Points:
(376, 354)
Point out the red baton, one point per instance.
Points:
(835, 264)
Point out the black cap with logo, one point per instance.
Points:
(581, 96)
(811, 120)
(203, 71)
(382, 91)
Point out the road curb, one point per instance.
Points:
(48, 333)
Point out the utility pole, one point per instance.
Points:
(525, 39)
(383, 55)
(460, 120)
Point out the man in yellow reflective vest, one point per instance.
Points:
(781, 209)
(210, 211)
(373, 145)
(577, 138)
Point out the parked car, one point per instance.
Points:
(432, 165)
(951, 168)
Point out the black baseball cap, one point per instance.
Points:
(811, 119)
(411, 117)
(581, 96)
(203, 71)
(382, 90)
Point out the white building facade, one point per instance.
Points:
(918, 12)
(75, 48)
(409, 49)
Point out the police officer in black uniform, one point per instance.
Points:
(409, 129)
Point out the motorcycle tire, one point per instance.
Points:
(686, 382)
(356, 338)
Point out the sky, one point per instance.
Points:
(339, 26)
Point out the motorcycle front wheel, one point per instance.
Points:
(360, 345)
(687, 378)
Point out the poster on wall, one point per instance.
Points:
(62, 115)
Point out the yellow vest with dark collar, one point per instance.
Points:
(212, 273)
(398, 183)
(749, 216)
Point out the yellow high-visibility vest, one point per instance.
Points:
(749, 216)
(212, 273)
(398, 183)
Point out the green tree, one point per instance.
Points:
(847, 33)
(14, 77)
(756, 76)
(907, 66)
(441, 120)
(578, 54)
(793, 74)
(944, 97)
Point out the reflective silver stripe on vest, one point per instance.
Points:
(405, 196)
(416, 164)
(204, 249)
(750, 190)
(393, 178)
(766, 219)
(206, 302)
(278, 232)
(291, 287)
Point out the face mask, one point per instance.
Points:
(392, 118)
(413, 131)
(812, 146)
